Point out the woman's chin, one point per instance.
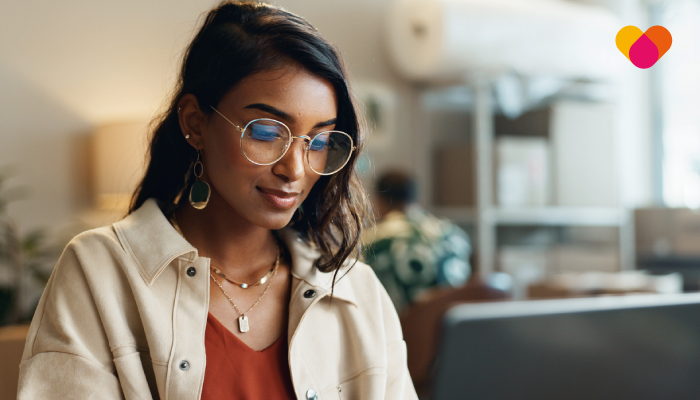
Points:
(273, 222)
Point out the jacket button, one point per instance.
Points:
(184, 365)
(191, 271)
(311, 395)
(309, 294)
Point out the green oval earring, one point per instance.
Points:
(200, 190)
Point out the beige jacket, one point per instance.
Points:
(125, 311)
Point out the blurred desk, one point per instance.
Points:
(12, 340)
(601, 283)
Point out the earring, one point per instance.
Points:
(187, 136)
(200, 191)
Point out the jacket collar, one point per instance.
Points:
(303, 258)
(153, 243)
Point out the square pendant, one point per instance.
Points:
(243, 323)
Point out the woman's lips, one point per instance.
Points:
(279, 198)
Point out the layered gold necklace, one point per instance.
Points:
(243, 285)
(243, 323)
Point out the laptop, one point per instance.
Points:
(605, 348)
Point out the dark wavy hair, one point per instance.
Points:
(237, 39)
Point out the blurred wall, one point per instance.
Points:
(68, 66)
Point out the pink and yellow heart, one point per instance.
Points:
(643, 49)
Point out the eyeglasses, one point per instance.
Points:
(265, 141)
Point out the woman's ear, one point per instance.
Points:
(192, 120)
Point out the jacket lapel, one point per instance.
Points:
(152, 241)
(303, 269)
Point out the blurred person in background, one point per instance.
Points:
(411, 250)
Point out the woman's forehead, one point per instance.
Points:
(291, 89)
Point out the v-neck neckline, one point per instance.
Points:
(228, 332)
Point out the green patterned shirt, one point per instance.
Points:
(414, 251)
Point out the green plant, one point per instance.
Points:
(22, 254)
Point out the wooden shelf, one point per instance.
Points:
(565, 125)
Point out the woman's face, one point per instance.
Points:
(267, 195)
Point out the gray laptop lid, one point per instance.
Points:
(628, 347)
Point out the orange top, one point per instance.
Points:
(234, 371)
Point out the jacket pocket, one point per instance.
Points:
(368, 385)
(132, 377)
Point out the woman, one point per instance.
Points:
(232, 277)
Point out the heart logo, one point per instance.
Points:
(643, 49)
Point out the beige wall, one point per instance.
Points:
(68, 66)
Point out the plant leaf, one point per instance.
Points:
(32, 242)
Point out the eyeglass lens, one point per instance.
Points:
(265, 141)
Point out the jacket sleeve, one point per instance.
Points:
(399, 384)
(67, 354)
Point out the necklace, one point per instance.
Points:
(245, 285)
(243, 324)
(217, 271)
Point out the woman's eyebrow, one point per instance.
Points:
(272, 110)
(330, 122)
(287, 117)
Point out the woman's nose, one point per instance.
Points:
(292, 166)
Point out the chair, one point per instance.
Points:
(421, 322)
(12, 340)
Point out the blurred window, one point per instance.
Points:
(680, 103)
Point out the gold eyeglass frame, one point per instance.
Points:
(306, 138)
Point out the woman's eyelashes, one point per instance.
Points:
(319, 143)
(266, 133)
